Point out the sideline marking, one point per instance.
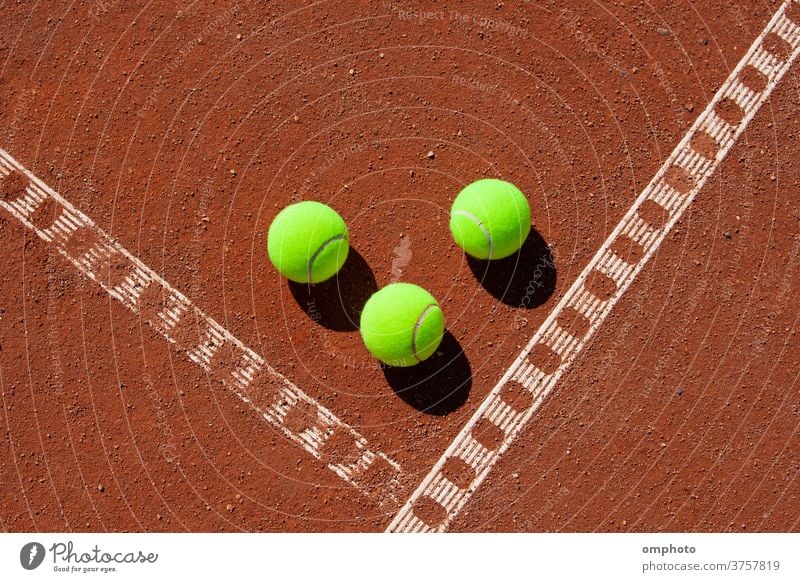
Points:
(671, 189)
(209, 345)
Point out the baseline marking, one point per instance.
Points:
(212, 347)
(497, 423)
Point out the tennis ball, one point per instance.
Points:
(308, 242)
(402, 324)
(490, 219)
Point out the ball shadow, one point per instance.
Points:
(337, 302)
(524, 280)
(437, 386)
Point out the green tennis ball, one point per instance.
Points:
(490, 219)
(308, 242)
(402, 324)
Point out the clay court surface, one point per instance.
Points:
(181, 133)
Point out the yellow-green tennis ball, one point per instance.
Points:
(490, 219)
(402, 324)
(308, 242)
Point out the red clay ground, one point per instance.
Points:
(183, 134)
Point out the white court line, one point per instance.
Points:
(212, 347)
(435, 488)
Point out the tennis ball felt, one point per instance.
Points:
(402, 324)
(490, 219)
(308, 242)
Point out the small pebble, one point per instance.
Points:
(238, 37)
(430, 155)
(727, 235)
(662, 31)
(352, 71)
(100, 488)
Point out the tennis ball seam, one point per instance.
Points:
(417, 325)
(318, 252)
(480, 225)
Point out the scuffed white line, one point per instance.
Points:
(595, 309)
(210, 336)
